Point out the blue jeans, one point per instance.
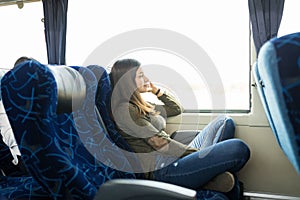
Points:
(219, 152)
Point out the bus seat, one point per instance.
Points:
(24, 187)
(51, 111)
(277, 76)
(103, 105)
(12, 184)
(40, 102)
(102, 102)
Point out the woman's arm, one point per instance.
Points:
(137, 126)
(171, 106)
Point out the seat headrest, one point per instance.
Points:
(71, 88)
(37, 88)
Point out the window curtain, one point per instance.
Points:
(55, 19)
(265, 16)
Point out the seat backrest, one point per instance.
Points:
(277, 75)
(103, 104)
(106, 151)
(51, 112)
(14, 184)
(23, 187)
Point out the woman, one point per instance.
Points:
(208, 161)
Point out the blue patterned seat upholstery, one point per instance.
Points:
(12, 184)
(21, 188)
(277, 74)
(47, 121)
(102, 102)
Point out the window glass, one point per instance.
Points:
(199, 50)
(214, 32)
(22, 33)
(289, 22)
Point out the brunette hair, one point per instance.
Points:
(23, 59)
(122, 77)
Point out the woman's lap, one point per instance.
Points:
(198, 168)
(219, 152)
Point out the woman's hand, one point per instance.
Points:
(156, 91)
(158, 143)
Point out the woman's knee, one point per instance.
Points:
(240, 149)
(230, 122)
(228, 128)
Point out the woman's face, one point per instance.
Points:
(142, 82)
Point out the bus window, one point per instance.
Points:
(289, 23)
(219, 28)
(22, 33)
(203, 46)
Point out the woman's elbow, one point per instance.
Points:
(176, 111)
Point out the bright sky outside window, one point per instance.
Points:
(22, 33)
(220, 28)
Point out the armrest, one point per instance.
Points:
(121, 189)
(184, 136)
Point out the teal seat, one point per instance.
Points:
(277, 76)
